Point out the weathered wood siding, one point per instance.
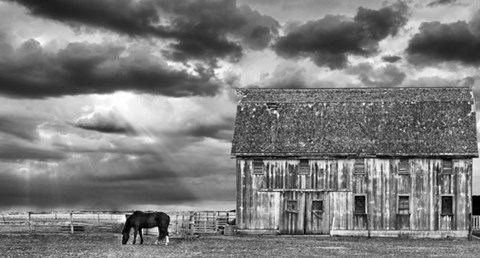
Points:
(256, 210)
(262, 197)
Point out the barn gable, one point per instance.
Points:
(365, 122)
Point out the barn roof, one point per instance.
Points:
(350, 122)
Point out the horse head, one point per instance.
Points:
(125, 233)
(125, 236)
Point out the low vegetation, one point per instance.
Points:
(109, 245)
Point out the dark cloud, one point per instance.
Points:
(221, 130)
(73, 192)
(134, 18)
(23, 127)
(15, 150)
(84, 68)
(118, 180)
(105, 122)
(330, 40)
(202, 29)
(391, 59)
(441, 2)
(199, 29)
(452, 42)
(387, 76)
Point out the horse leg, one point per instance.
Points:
(166, 236)
(141, 236)
(134, 235)
(159, 235)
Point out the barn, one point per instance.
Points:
(355, 161)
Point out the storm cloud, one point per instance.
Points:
(105, 122)
(451, 42)
(330, 40)
(202, 30)
(84, 68)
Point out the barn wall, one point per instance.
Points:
(256, 210)
(261, 196)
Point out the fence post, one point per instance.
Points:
(176, 223)
(192, 223)
(215, 217)
(71, 222)
(29, 223)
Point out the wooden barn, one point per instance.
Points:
(364, 161)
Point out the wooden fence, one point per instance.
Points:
(181, 223)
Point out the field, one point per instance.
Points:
(108, 245)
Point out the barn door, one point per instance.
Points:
(317, 215)
(304, 213)
(292, 213)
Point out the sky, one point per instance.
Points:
(130, 104)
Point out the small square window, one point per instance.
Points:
(447, 166)
(304, 167)
(359, 166)
(292, 206)
(447, 205)
(257, 167)
(404, 205)
(360, 204)
(404, 167)
(317, 205)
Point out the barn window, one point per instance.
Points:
(404, 167)
(447, 166)
(317, 206)
(360, 204)
(257, 167)
(447, 205)
(403, 205)
(359, 166)
(292, 206)
(304, 167)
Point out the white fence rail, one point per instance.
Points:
(181, 223)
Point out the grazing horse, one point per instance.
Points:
(139, 220)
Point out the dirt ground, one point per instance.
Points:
(109, 245)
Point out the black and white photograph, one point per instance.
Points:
(239, 128)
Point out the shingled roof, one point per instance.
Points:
(414, 122)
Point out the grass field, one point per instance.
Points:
(108, 245)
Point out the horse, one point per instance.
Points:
(139, 220)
